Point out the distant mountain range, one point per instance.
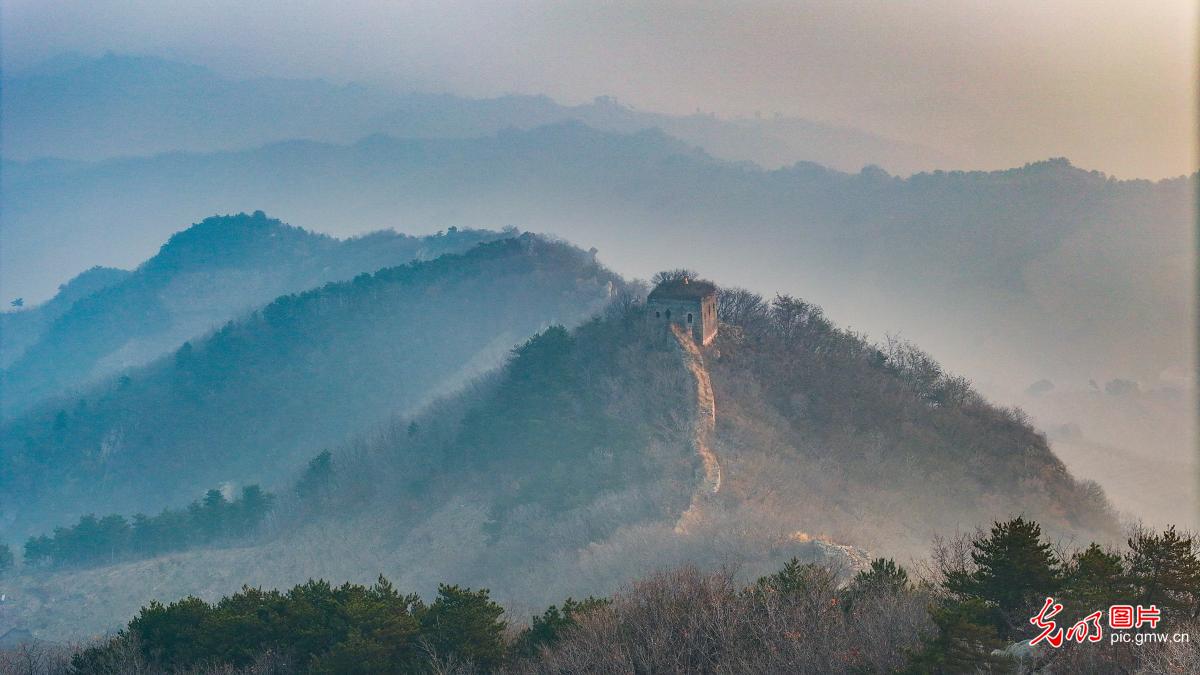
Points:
(255, 399)
(1050, 270)
(1042, 272)
(75, 107)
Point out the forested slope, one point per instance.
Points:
(202, 277)
(566, 472)
(253, 400)
(874, 443)
(585, 442)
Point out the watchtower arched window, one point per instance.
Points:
(657, 315)
(689, 317)
(668, 314)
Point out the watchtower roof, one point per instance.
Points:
(682, 288)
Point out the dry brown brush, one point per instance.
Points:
(685, 620)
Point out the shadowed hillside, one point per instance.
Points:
(251, 401)
(875, 444)
(107, 320)
(586, 442)
(568, 471)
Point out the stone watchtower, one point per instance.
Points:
(691, 303)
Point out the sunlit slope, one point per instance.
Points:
(593, 454)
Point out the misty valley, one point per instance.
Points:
(507, 414)
(438, 383)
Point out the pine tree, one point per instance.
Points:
(1094, 579)
(113, 538)
(313, 486)
(6, 558)
(209, 516)
(39, 551)
(883, 574)
(797, 577)
(964, 642)
(1015, 571)
(465, 624)
(883, 578)
(251, 508)
(1165, 572)
(547, 629)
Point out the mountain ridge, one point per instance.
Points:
(1006, 237)
(568, 469)
(201, 277)
(43, 120)
(347, 354)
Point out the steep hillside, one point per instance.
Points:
(875, 444)
(257, 397)
(588, 460)
(813, 430)
(215, 270)
(817, 432)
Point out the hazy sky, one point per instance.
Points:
(1109, 84)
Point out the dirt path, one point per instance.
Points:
(702, 429)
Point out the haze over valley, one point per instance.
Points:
(1041, 272)
(274, 317)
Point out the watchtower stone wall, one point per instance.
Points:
(688, 303)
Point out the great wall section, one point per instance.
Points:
(702, 428)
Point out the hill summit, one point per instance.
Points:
(213, 271)
(602, 452)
